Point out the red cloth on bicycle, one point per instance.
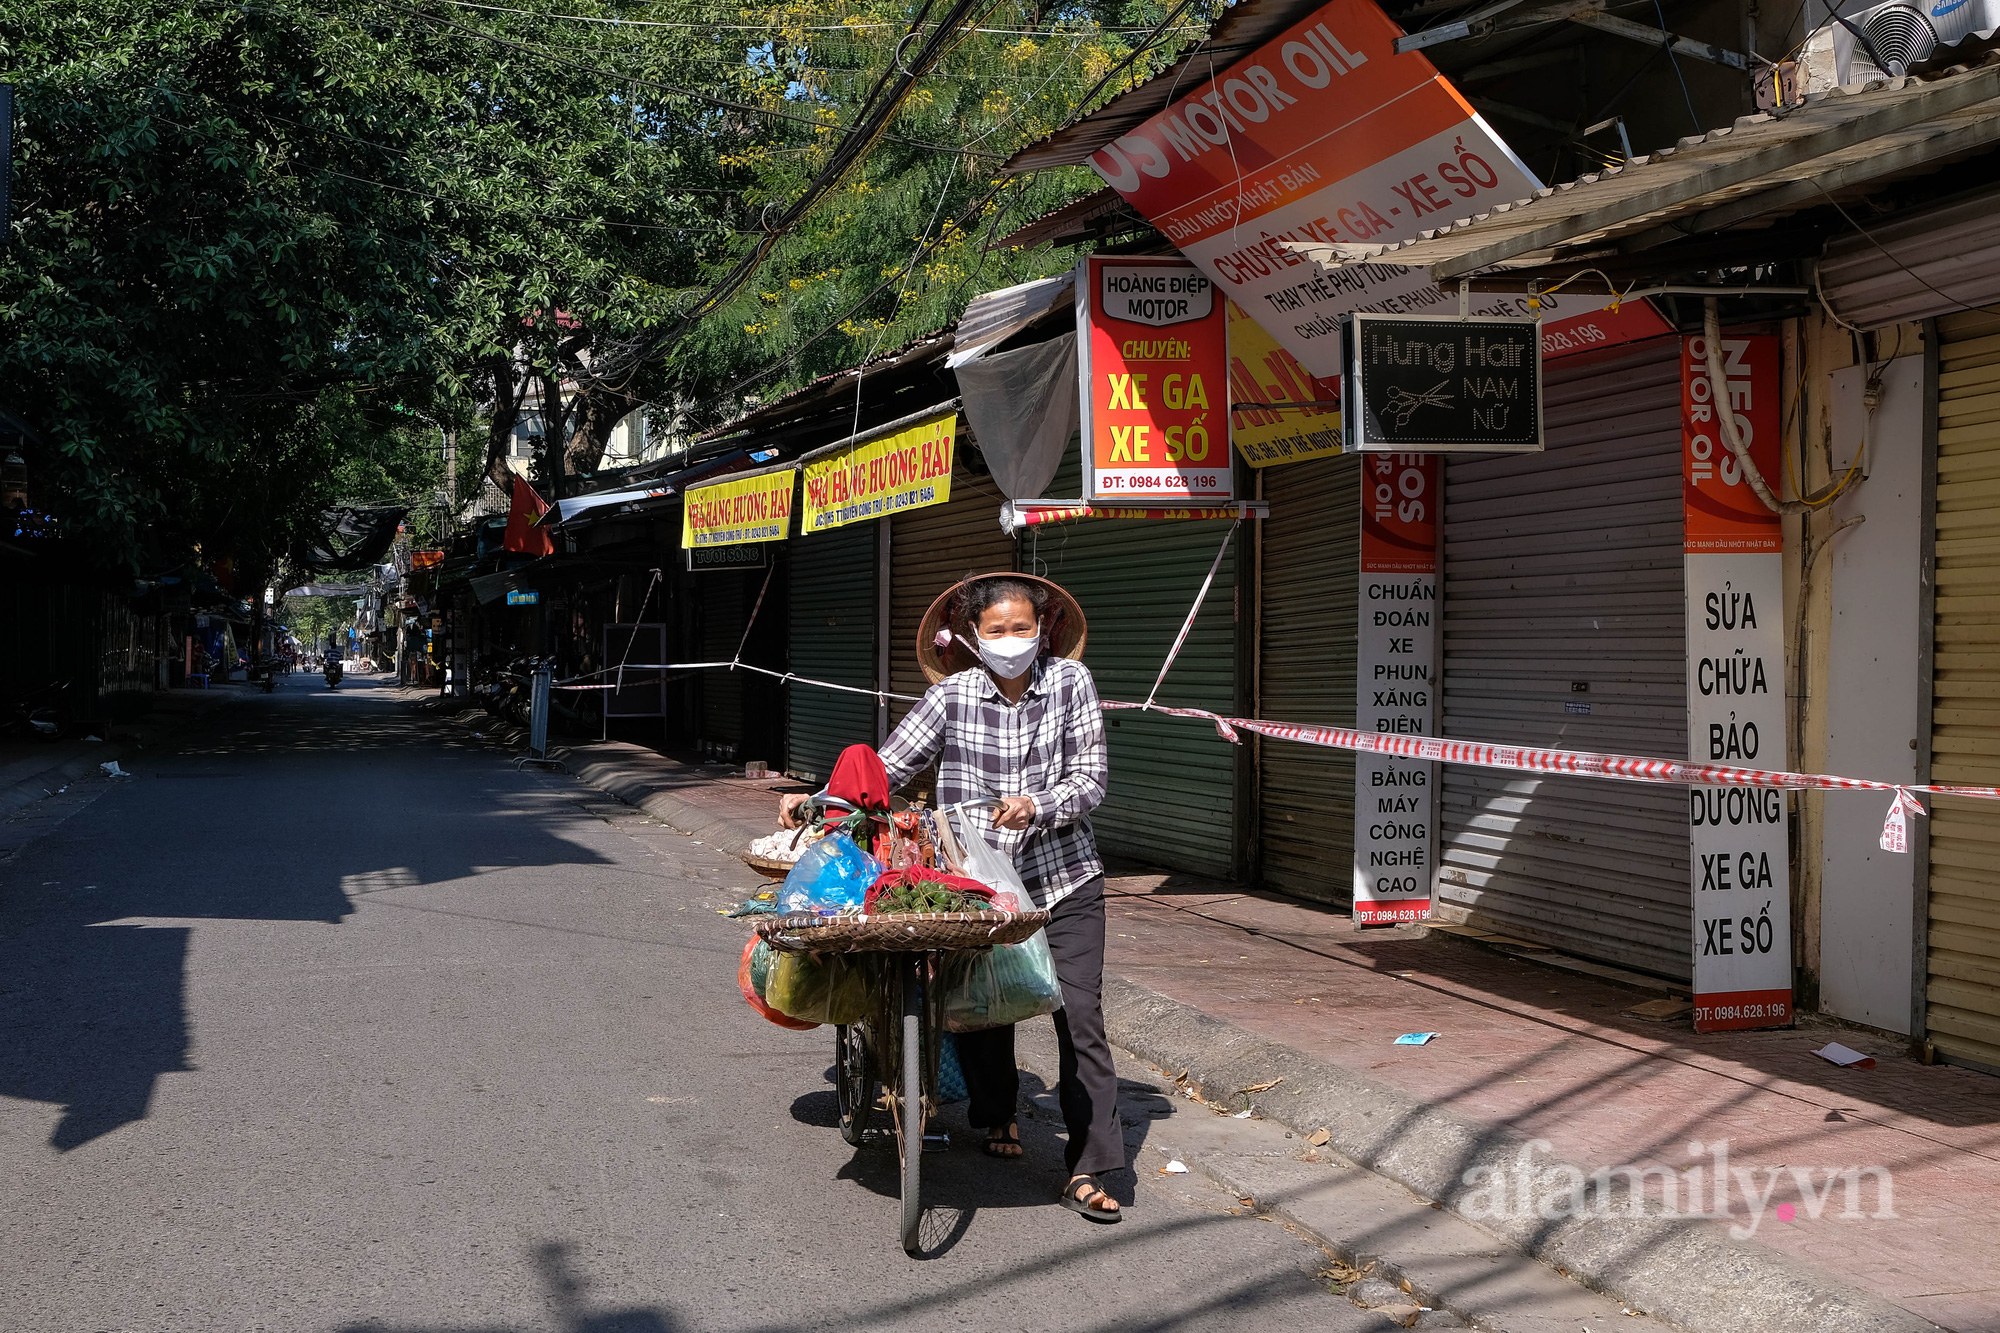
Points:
(914, 875)
(859, 781)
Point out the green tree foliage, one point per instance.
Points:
(236, 223)
(264, 252)
(845, 285)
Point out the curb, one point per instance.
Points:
(32, 788)
(1688, 1272)
(609, 775)
(608, 767)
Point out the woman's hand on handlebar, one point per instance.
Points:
(1015, 812)
(788, 809)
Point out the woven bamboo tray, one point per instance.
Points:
(768, 867)
(901, 932)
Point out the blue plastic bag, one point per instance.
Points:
(832, 875)
(951, 1075)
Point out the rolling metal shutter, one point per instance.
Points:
(929, 550)
(833, 630)
(722, 619)
(1962, 969)
(1564, 569)
(1173, 780)
(1308, 575)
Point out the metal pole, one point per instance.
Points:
(538, 714)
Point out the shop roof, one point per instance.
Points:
(1096, 215)
(1241, 30)
(812, 399)
(1761, 167)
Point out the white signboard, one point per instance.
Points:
(1395, 799)
(1739, 853)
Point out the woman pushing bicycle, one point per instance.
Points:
(1023, 727)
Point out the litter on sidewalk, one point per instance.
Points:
(1845, 1056)
(111, 770)
(1414, 1039)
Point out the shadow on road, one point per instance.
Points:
(286, 812)
(554, 1265)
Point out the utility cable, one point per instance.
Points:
(878, 109)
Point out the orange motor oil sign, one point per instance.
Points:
(1154, 368)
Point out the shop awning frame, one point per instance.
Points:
(1762, 164)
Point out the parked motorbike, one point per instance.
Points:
(37, 715)
(332, 673)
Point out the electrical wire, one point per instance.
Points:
(707, 99)
(880, 106)
(1956, 304)
(1667, 41)
(769, 27)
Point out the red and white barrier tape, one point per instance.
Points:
(1476, 754)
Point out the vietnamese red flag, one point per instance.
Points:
(523, 534)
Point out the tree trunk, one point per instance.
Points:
(595, 416)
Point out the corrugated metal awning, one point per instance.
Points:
(1102, 213)
(993, 317)
(1760, 166)
(1932, 262)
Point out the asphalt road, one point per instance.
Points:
(333, 1020)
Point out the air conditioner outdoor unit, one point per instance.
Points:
(1872, 41)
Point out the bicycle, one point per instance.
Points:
(896, 1047)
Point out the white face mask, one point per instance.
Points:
(1010, 657)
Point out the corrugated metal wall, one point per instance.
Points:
(1173, 780)
(832, 627)
(1564, 568)
(1962, 986)
(1310, 568)
(929, 550)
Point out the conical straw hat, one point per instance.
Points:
(1067, 629)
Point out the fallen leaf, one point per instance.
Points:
(1263, 1087)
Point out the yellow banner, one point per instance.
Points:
(1260, 371)
(907, 470)
(730, 513)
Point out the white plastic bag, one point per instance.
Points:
(1008, 983)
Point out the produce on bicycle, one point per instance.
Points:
(1024, 727)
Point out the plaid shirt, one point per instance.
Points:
(1050, 747)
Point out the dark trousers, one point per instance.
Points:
(1088, 1084)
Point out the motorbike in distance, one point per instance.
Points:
(333, 673)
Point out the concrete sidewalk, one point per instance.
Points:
(34, 770)
(1806, 1196)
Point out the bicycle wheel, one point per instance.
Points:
(910, 1099)
(853, 1082)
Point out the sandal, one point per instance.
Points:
(1004, 1141)
(1080, 1196)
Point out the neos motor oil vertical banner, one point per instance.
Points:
(1395, 800)
(1740, 867)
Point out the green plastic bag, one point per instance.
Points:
(1009, 983)
(821, 987)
